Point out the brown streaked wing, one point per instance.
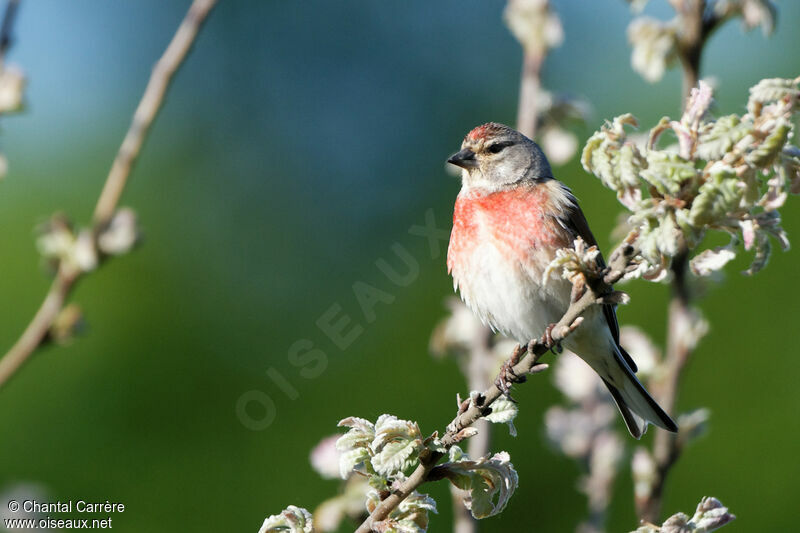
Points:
(575, 220)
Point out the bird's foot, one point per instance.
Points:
(547, 340)
(507, 377)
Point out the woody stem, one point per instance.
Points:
(530, 85)
(697, 24)
(36, 333)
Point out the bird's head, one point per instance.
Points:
(494, 156)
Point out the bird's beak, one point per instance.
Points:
(464, 159)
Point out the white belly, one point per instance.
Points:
(509, 295)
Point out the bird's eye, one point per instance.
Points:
(496, 148)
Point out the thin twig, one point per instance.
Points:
(151, 102)
(37, 330)
(529, 363)
(697, 23)
(530, 86)
(666, 447)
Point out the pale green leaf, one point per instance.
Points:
(772, 145)
(353, 439)
(631, 164)
(709, 261)
(504, 411)
(722, 136)
(711, 515)
(361, 434)
(790, 168)
(402, 526)
(668, 172)
(668, 236)
(410, 516)
(763, 249)
(772, 89)
(497, 482)
(491, 482)
(614, 160)
(647, 241)
(350, 459)
(354, 445)
(389, 428)
(594, 143)
(417, 502)
(395, 457)
(396, 445)
(718, 196)
(455, 453)
(355, 422)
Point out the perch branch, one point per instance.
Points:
(528, 363)
(37, 330)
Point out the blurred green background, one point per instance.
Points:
(300, 141)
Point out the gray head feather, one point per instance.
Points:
(504, 157)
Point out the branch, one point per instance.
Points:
(538, 29)
(38, 329)
(36, 332)
(149, 106)
(691, 40)
(666, 446)
(697, 25)
(530, 84)
(528, 363)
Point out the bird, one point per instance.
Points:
(510, 217)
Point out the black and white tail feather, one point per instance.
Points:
(633, 401)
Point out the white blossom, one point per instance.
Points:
(642, 348)
(12, 84)
(559, 144)
(534, 25)
(575, 378)
(653, 47)
(121, 233)
(292, 520)
(324, 457)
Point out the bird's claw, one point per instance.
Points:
(507, 377)
(547, 340)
